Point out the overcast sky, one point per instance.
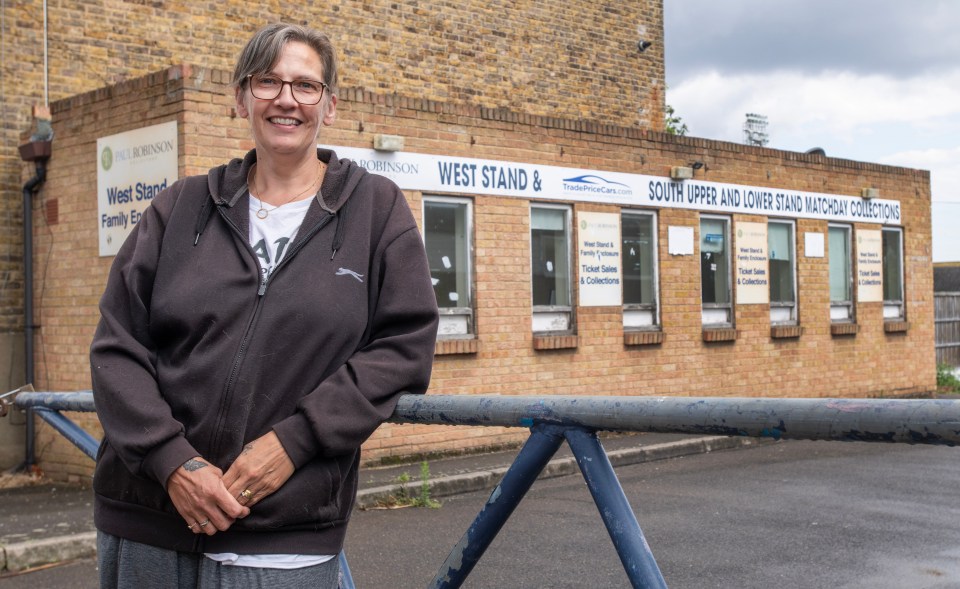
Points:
(867, 80)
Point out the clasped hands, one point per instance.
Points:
(211, 501)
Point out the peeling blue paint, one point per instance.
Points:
(859, 436)
(774, 433)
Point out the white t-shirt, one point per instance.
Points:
(270, 238)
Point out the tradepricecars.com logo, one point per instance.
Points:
(106, 158)
(594, 184)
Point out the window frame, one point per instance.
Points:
(777, 308)
(894, 310)
(452, 315)
(639, 308)
(843, 311)
(729, 306)
(544, 315)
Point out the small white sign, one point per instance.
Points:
(598, 246)
(680, 241)
(132, 168)
(813, 245)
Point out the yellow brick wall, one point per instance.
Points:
(506, 363)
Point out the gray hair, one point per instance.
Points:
(263, 51)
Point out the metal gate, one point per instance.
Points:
(947, 322)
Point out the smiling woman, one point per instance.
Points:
(231, 454)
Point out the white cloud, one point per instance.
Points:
(832, 105)
(911, 122)
(944, 166)
(866, 36)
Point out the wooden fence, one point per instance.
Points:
(947, 321)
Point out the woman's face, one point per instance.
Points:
(283, 126)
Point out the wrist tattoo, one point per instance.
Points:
(193, 464)
(247, 448)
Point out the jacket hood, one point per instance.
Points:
(228, 182)
(228, 187)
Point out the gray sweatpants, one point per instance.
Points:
(125, 564)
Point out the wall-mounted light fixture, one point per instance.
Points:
(686, 172)
(869, 192)
(387, 142)
(642, 45)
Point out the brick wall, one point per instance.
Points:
(575, 59)
(504, 361)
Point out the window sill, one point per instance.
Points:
(896, 326)
(554, 342)
(643, 338)
(447, 347)
(844, 329)
(785, 331)
(727, 334)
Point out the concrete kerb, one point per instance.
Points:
(488, 479)
(35, 553)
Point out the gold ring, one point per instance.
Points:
(246, 493)
(190, 527)
(204, 523)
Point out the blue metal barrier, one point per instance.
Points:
(552, 420)
(48, 406)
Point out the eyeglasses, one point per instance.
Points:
(307, 92)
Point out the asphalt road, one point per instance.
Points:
(788, 514)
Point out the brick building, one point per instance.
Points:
(576, 248)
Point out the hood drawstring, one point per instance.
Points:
(338, 236)
(203, 218)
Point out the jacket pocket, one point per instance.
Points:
(111, 479)
(310, 499)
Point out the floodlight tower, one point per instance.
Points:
(755, 130)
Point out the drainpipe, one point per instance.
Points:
(38, 152)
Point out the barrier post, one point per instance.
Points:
(539, 448)
(618, 517)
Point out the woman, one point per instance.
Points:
(257, 326)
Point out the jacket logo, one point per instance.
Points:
(345, 272)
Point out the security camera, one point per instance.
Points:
(642, 45)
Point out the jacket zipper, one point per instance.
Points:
(297, 246)
(261, 291)
(241, 351)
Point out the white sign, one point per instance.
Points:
(680, 241)
(869, 266)
(133, 167)
(753, 286)
(813, 245)
(598, 247)
(435, 173)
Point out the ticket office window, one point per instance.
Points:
(715, 271)
(839, 244)
(893, 307)
(781, 256)
(639, 259)
(447, 236)
(550, 235)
